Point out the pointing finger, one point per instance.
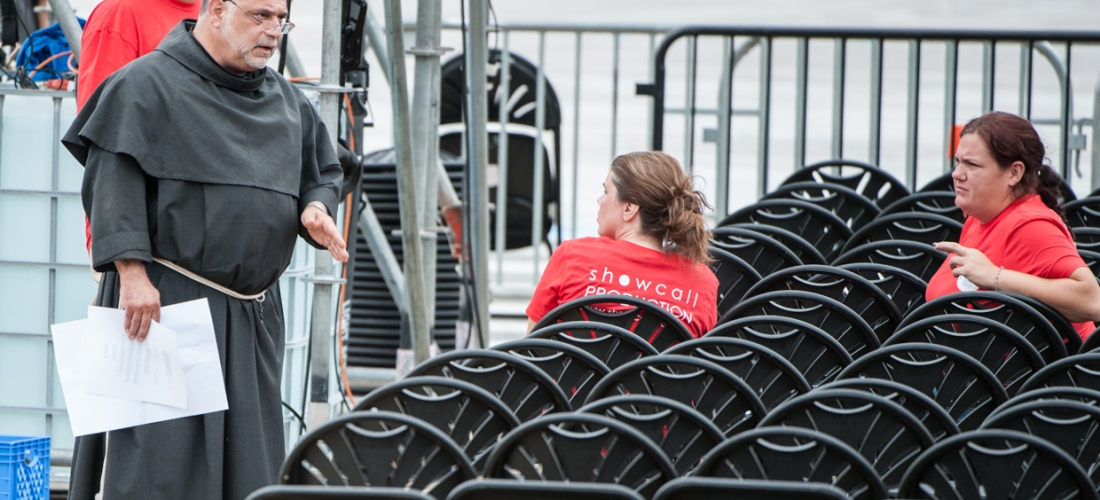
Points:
(951, 247)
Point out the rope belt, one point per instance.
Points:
(259, 297)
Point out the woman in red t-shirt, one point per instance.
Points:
(1015, 238)
(652, 245)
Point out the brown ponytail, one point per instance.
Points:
(669, 206)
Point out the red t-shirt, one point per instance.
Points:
(601, 266)
(117, 32)
(1027, 237)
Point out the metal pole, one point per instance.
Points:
(875, 148)
(383, 255)
(951, 72)
(725, 107)
(839, 56)
(1095, 138)
(376, 33)
(406, 188)
(577, 124)
(477, 58)
(614, 94)
(504, 101)
(425, 135)
(323, 270)
(689, 105)
(540, 124)
(989, 57)
(69, 26)
(801, 73)
(913, 108)
(764, 119)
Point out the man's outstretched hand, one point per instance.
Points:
(323, 230)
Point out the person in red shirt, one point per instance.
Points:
(1015, 238)
(652, 245)
(117, 32)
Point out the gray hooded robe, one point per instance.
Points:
(187, 162)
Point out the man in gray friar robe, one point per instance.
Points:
(198, 156)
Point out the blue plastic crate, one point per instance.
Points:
(24, 468)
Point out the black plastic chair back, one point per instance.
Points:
(794, 454)
(995, 463)
(684, 434)
(507, 489)
(920, 227)
(931, 202)
(298, 492)
(932, 416)
(820, 227)
(582, 448)
(712, 488)
(380, 448)
(883, 432)
(735, 277)
(1092, 259)
(904, 288)
(1007, 310)
(706, 387)
(468, 414)
(653, 324)
(764, 253)
(954, 380)
(868, 180)
(1083, 213)
(833, 317)
(612, 345)
(860, 295)
(574, 370)
(1079, 394)
(815, 354)
(919, 259)
(797, 244)
(1070, 337)
(1007, 354)
(1072, 426)
(1079, 370)
(527, 390)
(1091, 343)
(852, 208)
(1087, 238)
(772, 376)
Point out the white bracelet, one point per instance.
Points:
(319, 205)
(997, 279)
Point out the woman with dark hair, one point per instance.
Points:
(652, 245)
(1015, 238)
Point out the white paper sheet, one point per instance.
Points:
(199, 360)
(144, 371)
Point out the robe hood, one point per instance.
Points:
(210, 126)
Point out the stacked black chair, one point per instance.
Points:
(1079, 370)
(468, 414)
(527, 390)
(706, 387)
(653, 324)
(583, 448)
(574, 370)
(1007, 354)
(378, 449)
(735, 277)
(1072, 426)
(995, 463)
(814, 353)
(1087, 396)
(1065, 329)
(868, 180)
(712, 488)
(932, 416)
(906, 226)
(1007, 310)
(1083, 213)
(833, 317)
(685, 435)
(794, 454)
(764, 253)
(772, 376)
(1091, 343)
(507, 489)
(1092, 259)
(883, 432)
(797, 244)
(298, 492)
(931, 202)
(958, 383)
(612, 345)
(820, 227)
(1087, 238)
(904, 288)
(860, 295)
(919, 259)
(852, 208)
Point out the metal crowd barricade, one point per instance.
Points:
(904, 76)
(45, 278)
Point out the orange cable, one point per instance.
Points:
(343, 292)
(49, 60)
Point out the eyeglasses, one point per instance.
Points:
(267, 22)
